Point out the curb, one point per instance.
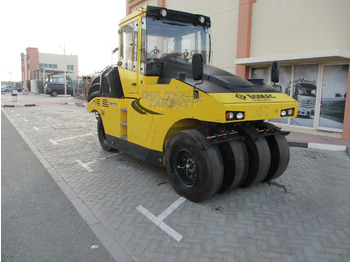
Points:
(31, 105)
(320, 146)
(26, 105)
(75, 104)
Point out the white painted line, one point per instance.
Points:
(35, 128)
(171, 209)
(55, 142)
(86, 165)
(158, 221)
(102, 233)
(327, 147)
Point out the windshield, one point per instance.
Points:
(307, 91)
(172, 41)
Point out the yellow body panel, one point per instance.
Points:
(150, 113)
(159, 108)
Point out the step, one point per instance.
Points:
(125, 109)
(123, 123)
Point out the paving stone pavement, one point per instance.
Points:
(302, 216)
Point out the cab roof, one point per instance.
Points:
(158, 13)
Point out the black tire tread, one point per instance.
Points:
(236, 164)
(102, 136)
(210, 165)
(280, 153)
(259, 156)
(93, 95)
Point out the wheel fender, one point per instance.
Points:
(91, 108)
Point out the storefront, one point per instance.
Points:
(319, 81)
(310, 39)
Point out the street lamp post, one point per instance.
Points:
(65, 71)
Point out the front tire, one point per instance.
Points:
(259, 156)
(195, 168)
(102, 136)
(280, 153)
(236, 164)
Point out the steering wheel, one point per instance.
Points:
(155, 51)
(177, 56)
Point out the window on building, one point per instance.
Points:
(50, 66)
(304, 89)
(260, 73)
(334, 87)
(70, 67)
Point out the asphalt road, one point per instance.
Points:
(39, 223)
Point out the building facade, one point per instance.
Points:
(310, 39)
(37, 66)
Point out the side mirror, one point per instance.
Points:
(275, 72)
(197, 66)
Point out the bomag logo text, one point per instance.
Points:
(261, 97)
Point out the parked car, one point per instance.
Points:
(57, 88)
(9, 88)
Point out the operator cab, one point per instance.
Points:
(165, 37)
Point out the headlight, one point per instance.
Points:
(240, 115)
(287, 112)
(163, 12)
(234, 115)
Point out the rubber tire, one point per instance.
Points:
(236, 164)
(93, 95)
(54, 93)
(94, 88)
(280, 153)
(209, 164)
(259, 156)
(102, 136)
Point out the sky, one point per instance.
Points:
(87, 28)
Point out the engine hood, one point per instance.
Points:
(215, 80)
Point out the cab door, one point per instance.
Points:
(128, 58)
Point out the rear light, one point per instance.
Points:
(234, 115)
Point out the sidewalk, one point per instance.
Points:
(317, 139)
(30, 99)
(299, 139)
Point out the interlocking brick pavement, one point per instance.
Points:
(302, 216)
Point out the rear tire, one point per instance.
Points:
(93, 95)
(54, 93)
(280, 153)
(236, 164)
(195, 169)
(94, 88)
(259, 156)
